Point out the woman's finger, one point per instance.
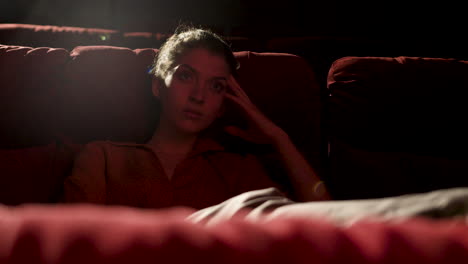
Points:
(249, 110)
(238, 101)
(247, 105)
(235, 87)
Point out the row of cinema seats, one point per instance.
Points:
(53, 101)
(69, 37)
(399, 118)
(319, 51)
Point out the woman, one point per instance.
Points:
(181, 165)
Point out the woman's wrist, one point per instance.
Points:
(320, 191)
(307, 184)
(280, 138)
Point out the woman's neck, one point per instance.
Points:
(168, 140)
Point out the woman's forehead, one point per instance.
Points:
(204, 62)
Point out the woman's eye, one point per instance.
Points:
(218, 87)
(184, 76)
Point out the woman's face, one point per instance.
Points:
(194, 91)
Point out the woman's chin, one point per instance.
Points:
(189, 127)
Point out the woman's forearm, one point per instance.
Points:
(306, 183)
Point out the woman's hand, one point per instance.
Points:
(307, 184)
(261, 130)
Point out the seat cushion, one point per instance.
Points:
(34, 174)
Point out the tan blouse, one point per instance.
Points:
(132, 174)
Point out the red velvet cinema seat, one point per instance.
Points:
(121, 235)
(31, 163)
(106, 94)
(56, 36)
(397, 125)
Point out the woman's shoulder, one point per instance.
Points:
(101, 146)
(106, 149)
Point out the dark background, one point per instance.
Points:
(414, 19)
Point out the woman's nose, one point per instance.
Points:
(197, 94)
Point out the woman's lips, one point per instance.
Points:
(192, 114)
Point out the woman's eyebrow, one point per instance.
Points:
(222, 78)
(188, 67)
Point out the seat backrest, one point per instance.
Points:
(32, 164)
(106, 94)
(284, 87)
(29, 83)
(396, 125)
